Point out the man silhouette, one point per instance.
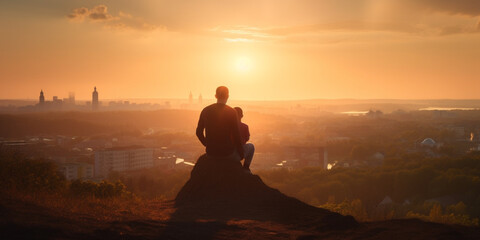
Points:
(220, 122)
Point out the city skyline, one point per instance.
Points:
(43, 97)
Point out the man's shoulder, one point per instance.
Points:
(217, 106)
(209, 107)
(243, 125)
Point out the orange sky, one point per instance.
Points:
(261, 50)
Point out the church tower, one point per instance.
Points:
(95, 99)
(41, 99)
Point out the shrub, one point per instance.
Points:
(30, 175)
(103, 189)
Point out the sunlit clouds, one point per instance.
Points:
(122, 21)
(296, 49)
(97, 13)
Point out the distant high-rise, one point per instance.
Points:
(95, 99)
(41, 98)
(200, 99)
(71, 98)
(323, 157)
(190, 98)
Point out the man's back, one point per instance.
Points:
(221, 130)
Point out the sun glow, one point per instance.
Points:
(243, 64)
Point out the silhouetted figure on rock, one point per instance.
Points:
(222, 137)
(248, 148)
(220, 189)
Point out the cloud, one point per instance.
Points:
(340, 32)
(100, 13)
(466, 7)
(78, 14)
(123, 21)
(97, 13)
(277, 20)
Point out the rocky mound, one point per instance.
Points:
(221, 189)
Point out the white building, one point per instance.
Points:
(122, 159)
(73, 171)
(428, 142)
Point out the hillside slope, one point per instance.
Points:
(220, 201)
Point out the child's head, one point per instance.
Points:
(239, 112)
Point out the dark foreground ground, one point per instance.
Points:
(219, 201)
(20, 220)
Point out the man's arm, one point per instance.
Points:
(248, 134)
(200, 128)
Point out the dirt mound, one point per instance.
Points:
(221, 189)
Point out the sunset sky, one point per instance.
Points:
(260, 49)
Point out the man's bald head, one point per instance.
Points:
(222, 94)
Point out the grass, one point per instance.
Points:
(100, 209)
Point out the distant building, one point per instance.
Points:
(323, 157)
(95, 99)
(190, 98)
(41, 99)
(428, 142)
(200, 99)
(166, 162)
(71, 98)
(73, 171)
(304, 156)
(386, 201)
(56, 103)
(122, 159)
(14, 146)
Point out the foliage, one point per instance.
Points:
(454, 215)
(29, 175)
(33, 176)
(354, 208)
(411, 183)
(103, 189)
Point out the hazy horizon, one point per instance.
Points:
(195, 99)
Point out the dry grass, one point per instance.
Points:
(89, 208)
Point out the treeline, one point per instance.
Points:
(27, 176)
(77, 123)
(30, 176)
(414, 185)
(93, 123)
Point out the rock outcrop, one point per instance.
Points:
(221, 189)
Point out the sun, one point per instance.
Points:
(243, 64)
